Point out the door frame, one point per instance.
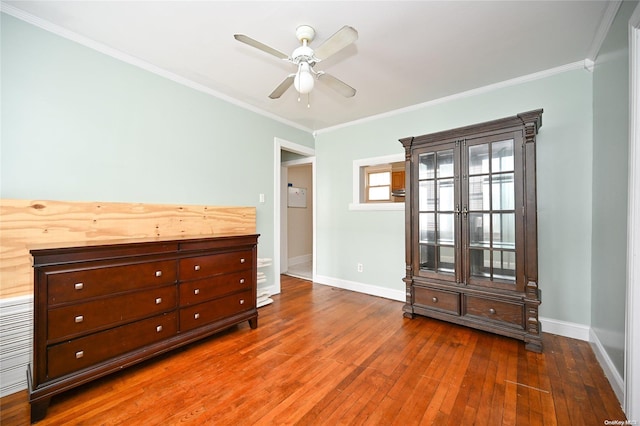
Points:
(631, 402)
(279, 146)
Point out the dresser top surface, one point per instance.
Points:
(55, 253)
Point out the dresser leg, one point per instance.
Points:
(39, 409)
(253, 323)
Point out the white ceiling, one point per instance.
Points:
(408, 52)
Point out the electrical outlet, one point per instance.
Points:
(360, 267)
(262, 198)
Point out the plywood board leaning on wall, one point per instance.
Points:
(28, 223)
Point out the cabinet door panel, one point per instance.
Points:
(438, 208)
(490, 233)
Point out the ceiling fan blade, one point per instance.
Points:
(341, 39)
(282, 87)
(338, 85)
(254, 43)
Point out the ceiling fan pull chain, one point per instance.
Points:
(308, 101)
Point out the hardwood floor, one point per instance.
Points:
(325, 356)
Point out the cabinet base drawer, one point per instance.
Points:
(193, 268)
(214, 310)
(505, 312)
(76, 354)
(436, 299)
(194, 292)
(100, 314)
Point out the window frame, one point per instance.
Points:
(371, 170)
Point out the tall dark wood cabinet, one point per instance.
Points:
(471, 227)
(100, 308)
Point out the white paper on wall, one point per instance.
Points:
(297, 197)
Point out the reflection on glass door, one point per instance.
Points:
(491, 212)
(436, 210)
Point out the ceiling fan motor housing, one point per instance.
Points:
(304, 54)
(305, 32)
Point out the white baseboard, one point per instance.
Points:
(16, 331)
(369, 289)
(615, 379)
(297, 260)
(586, 333)
(564, 328)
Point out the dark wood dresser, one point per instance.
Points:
(102, 307)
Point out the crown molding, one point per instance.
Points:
(121, 56)
(603, 29)
(469, 93)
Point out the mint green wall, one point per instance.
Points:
(78, 125)
(564, 161)
(610, 183)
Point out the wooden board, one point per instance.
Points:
(28, 223)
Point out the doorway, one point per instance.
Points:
(296, 242)
(291, 155)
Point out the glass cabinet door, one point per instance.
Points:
(466, 206)
(489, 212)
(437, 207)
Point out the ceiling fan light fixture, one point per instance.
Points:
(304, 80)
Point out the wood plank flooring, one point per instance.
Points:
(325, 356)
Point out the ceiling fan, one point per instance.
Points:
(305, 58)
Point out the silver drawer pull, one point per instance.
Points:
(241, 280)
(196, 316)
(242, 260)
(158, 329)
(242, 301)
(79, 318)
(435, 300)
(158, 300)
(196, 268)
(196, 291)
(158, 273)
(78, 286)
(492, 311)
(79, 354)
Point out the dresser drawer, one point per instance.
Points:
(76, 354)
(193, 268)
(69, 286)
(437, 299)
(506, 312)
(213, 310)
(193, 292)
(82, 318)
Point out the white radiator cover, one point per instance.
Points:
(16, 340)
